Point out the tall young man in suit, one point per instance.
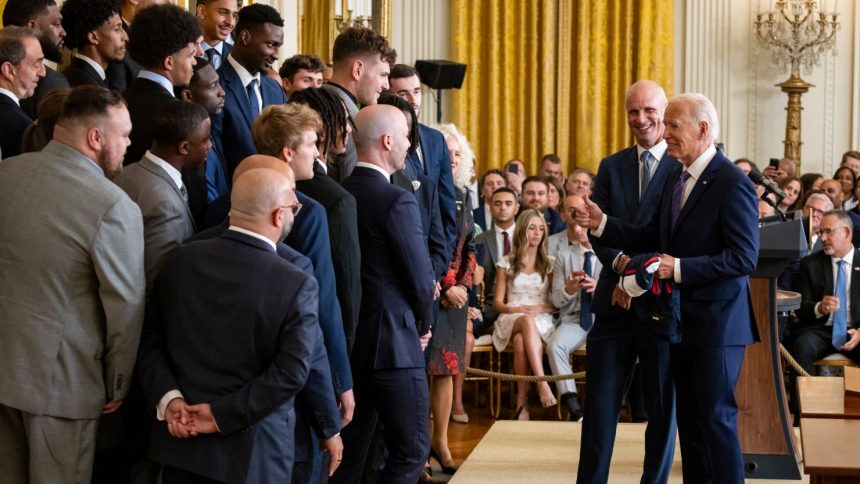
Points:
(395, 317)
(217, 18)
(830, 306)
(94, 31)
(70, 317)
(707, 233)
(259, 35)
(122, 72)
(631, 189)
(361, 60)
(43, 16)
(20, 70)
(163, 41)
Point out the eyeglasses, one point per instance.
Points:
(294, 208)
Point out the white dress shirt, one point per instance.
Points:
(158, 79)
(10, 95)
(695, 170)
(375, 167)
(218, 58)
(174, 174)
(500, 239)
(95, 65)
(849, 269)
(246, 79)
(657, 151)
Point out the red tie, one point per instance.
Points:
(506, 243)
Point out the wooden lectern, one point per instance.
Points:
(764, 423)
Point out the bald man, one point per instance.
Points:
(396, 305)
(237, 382)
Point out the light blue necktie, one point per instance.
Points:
(647, 163)
(840, 317)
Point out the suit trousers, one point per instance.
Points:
(399, 399)
(814, 343)
(567, 338)
(705, 379)
(611, 359)
(37, 449)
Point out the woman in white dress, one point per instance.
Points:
(522, 301)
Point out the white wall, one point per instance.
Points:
(717, 55)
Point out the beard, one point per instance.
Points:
(50, 51)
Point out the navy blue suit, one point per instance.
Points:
(437, 165)
(553, 221)
(427, 197)
(479, 216)
(396, 307)
(620, 336)
(250, 373)
(231, 130)
(716, 239)
(13, 123)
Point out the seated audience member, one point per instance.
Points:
(523, 279)
(300, 72)
(550, 166)
(41, 131)
(217, 20)
(21, 62)
(163, 41)
(43, 16)
(765, 209)
(810, 182)
(580, 182)
(845, 176)
(180, 141)
(786, 169)
(817, 204)
(94, 32)
(793, 190)
(746, 165)
(851, 159)
(491, 180)
(515, 173)
(833, 189)
(574, 277)
(240, 383)
(555, 195)
(534, 197)
(830, 309)
(856, 208)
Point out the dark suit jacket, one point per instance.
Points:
(231, 130)
(431, 219)
(341, 165)
(121, 74)
(52, 81)
(79, 73)
(437, 166)
(396, 275)
(815, 280)
(479, 216)
(343, 234)
(487, 254)
(553, 221)
(716, 238)
(144, 97)
(247, 371)
(616, 192)
(13, 123)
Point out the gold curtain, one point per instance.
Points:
(2, 6)
(549, 76)
(317, 28)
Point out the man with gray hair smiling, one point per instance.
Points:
(707, 234)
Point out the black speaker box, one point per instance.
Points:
(441, 74)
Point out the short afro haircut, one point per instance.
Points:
(160, 31)
(254, 16)
(176, 121)
(80, 17)
(19, 12)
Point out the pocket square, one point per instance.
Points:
(416, 185)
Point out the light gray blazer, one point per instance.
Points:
(569, 259)
(340, 166)
(167, 219)
(71, 285)
(556, 242)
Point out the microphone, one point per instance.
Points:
(769, 185)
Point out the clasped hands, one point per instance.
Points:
(185, 420)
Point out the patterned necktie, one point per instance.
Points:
(585, 317)
(252, 98)
(840, 317)
(183, 192)
(506, 243)
(647, 163)
(677, 195)
(210, 54)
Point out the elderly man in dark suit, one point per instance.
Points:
(163, 40)
(396, 305)
(259, 35)
(43, 16)
(21, 53)
(630, 186)
(707, 233)
(94, 31)
(73, 292)
(241, 379)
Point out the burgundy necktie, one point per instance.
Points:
(506, 243)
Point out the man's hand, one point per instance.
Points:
(666, 269)
(828, 305)
(425, 340)
(588, 284)
(111, 406)
(853, 340)
(620, 298)
(201, 419)
(589, 215)
(346, 403)
(334, 448)
(773, 173)
(457, 296)
(572, 284)
(437, 291)
(177, 418)
(475, 313)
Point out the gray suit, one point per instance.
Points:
(340, 166)
(487, 247)
(167, 220)
(555, 242)
(71, 309)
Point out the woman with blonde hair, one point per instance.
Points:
(522, 301)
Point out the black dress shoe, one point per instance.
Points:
(445, 469)
(571, 401)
